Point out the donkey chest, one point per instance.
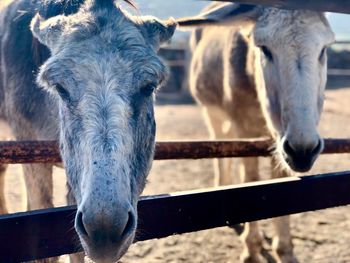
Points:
(244, 109)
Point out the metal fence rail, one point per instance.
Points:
(50, 232)
(48, 151)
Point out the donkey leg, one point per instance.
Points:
(76, 258)
(38, 179)
(251, 236)
(282, 242)
(215, 118)
(5, 134)
(3, 208)
(252, 244)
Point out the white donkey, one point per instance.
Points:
(96, 68)
(262, 72)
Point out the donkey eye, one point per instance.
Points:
(148, 89)
(322, 54)
(267, 53)
(64, 94)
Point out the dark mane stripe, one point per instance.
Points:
(109, 2)
(47, 9)
(51, 8)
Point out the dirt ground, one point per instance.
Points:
(319, 237)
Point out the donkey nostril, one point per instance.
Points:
(317, 148)
(311, 150)
(79, 224)
(130, 224)
(287, 148)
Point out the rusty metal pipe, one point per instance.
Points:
(48, 151)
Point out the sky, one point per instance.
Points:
(341, 25)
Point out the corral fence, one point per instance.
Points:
(50, 232)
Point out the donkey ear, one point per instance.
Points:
(49, 31)
(221, 14)
(157, 31)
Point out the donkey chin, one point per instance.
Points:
(106, 242)
(301, 159)
(103, 252)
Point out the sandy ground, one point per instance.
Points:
(320, 237)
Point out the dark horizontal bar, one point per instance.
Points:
(212, 149)
(47, 233)
(48, 152)
(337, 6)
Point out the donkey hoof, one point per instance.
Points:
(46, 260)
(252, 259)
(287, 259)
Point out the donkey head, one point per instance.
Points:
(104, 70)
(291, 71)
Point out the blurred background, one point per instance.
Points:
(176, 52)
